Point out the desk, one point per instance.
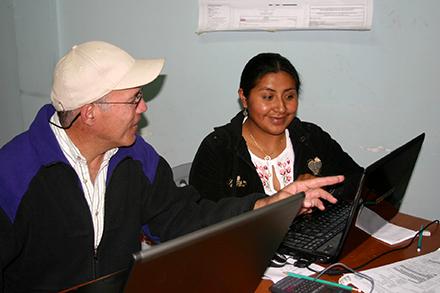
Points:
(354, 256)
(372, 247)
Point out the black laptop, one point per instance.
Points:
(320, 236)
(230, 256)
(227, 257)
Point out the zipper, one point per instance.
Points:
(95, 263)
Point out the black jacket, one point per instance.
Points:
(222, 165)
(47, 236)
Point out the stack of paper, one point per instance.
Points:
(417, 274)
(376, 226)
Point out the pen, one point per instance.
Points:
(419, 243)
(320, 281)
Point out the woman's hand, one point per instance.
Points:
(312, 189)
(310, 203)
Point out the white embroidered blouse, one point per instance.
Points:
(282, 164)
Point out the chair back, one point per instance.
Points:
(181, 174)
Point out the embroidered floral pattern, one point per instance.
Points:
(280, 167)
(264, 174)
(285, 171)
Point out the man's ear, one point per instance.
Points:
(243, 99)
(88, 114)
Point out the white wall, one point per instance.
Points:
(368, 89)
(10, 107)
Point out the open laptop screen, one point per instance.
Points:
(230, 256)
(321, 236)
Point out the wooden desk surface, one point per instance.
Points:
(372, 247)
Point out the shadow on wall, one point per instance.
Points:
(150, 91)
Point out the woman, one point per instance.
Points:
(265, 147)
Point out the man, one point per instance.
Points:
(78, 186)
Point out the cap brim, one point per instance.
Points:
(141, 73)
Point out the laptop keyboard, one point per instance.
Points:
(296, 285)
(312, 231)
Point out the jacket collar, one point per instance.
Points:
(43, 139)
(298, 135)
(234, 127)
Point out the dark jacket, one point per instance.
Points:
(48, 244)
(223, 167)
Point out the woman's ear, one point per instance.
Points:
(243, 99)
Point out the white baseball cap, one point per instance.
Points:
(93, 69)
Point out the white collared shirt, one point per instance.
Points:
(94, 193)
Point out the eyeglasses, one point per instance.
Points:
(137, 99)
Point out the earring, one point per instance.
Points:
(245, 112)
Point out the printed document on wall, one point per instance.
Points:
(273, 15)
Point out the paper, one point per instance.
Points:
(272, 15)
(418, 274)
(373, 224)
(276, 274)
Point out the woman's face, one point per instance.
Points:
(272, 103)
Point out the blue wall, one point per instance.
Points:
(372, 90)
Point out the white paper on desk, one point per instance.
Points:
(373, 224)
(419, 274)
(276, 274)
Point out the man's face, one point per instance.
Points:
(120, 116)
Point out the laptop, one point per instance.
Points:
(321, 236)
(230, 256)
